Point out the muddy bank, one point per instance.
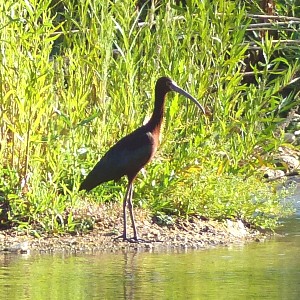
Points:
(194, 233)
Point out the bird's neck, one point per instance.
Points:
(158, 112)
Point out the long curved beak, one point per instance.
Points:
(182, 92)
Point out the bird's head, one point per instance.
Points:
(166, 84)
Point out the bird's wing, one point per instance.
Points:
(130, 154)
(127, 157)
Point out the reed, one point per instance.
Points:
(75, 80)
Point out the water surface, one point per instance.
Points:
(268, 270)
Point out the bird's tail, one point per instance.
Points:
(88, 184)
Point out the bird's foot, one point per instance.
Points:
(138, 240)
(132, 240)
(120, 237)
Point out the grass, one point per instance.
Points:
(66, 98)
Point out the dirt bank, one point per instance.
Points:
(194, 233)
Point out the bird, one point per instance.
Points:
(131, 153)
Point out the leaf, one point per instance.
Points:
(88, 120)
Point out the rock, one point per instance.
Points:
(22, 248)
(297, 133)
(272, 174)
(296, 117)
(290, 161)
(289, 138)
(236, 228)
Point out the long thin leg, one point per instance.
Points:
(128, 201)
(135, 239)
(135, 235)
(125, 201)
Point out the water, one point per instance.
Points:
(269, 270)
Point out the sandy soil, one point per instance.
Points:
(194, 233)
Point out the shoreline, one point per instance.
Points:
(194, 233)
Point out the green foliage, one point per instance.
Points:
(77, 77)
